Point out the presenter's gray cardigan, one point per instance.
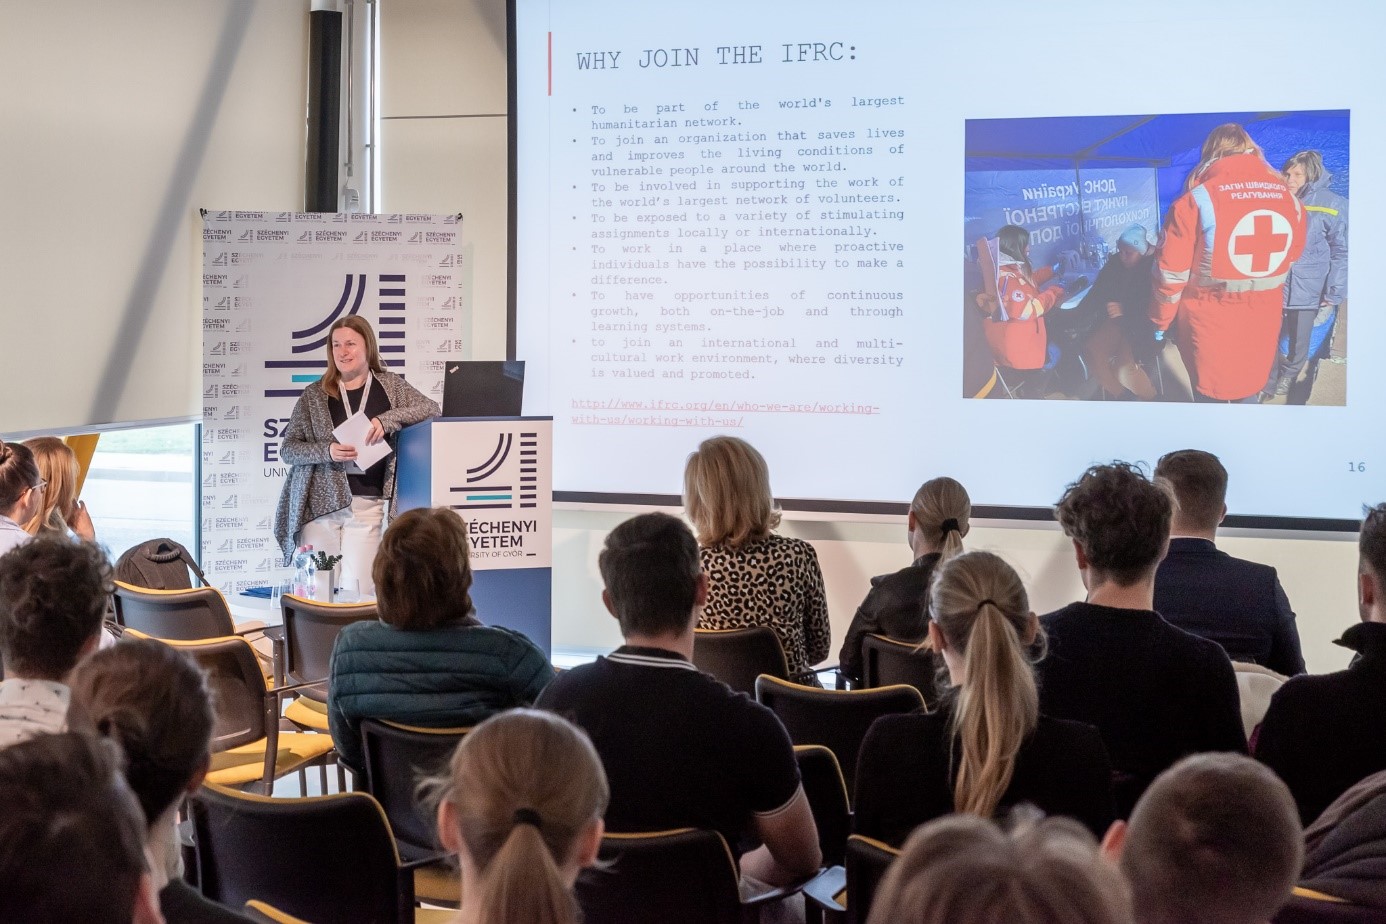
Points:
(318, 486)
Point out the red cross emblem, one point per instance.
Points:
(1259, 242)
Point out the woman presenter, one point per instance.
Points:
(329, 502)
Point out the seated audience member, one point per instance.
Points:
(755, 578)
(21, 493)
(71, 836)
(1155, 692)
(1214, 840)
(522, 809)
(988, 748)
(1345, 848)
(1238, 604)
(428, 660)
(52, 600)
(680, 748)
(964, 870)
(898, 604)
(61, 513)
(153, 701)
(1324, 733)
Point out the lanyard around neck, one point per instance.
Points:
(365, 393)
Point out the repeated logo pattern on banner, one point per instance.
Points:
(272, 285)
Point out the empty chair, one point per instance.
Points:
(826, 791)
(304, 652)
(888, 661)
(322, 858)
(683, 876)
(867, 862)
(738, 656)
(837, 719)
(198, 612)
(398, 758)
(247, 744)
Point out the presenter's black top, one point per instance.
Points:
(1238, 604)
(909, 763)
(1155, 692)
(372, 482)
(679, 747)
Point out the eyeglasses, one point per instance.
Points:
(40, 486)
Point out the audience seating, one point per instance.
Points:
(1257, 685)
(247, 745)
(867, 862)
(827, 797)
(683, 876)
(1309, 907)
(738, 656)
(303, 652)
(200, 612)
(838, 719)
(268, 914)
(887, 661)
(398, 758)
(321, 858)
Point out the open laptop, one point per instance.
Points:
(483, 388)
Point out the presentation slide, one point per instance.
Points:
(888, 240)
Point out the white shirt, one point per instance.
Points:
(31, 707)
(11, 534)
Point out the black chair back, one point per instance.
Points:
(738, 656)
(684, 876)
(398, 758)
(324, 858)
(200, 612)
(310, 631)
(888, 661)
(827, 797)
(838, 719)
(238, 689)
(867, 862)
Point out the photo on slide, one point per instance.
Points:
(1197, 257)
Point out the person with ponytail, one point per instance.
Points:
(988, 747)
(21, 493)
(522, 807)
(898, 604)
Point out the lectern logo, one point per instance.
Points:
(506, 480)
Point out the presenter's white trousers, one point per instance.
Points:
(353, 533)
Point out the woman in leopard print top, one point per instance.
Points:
(755, 578)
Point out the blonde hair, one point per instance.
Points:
(1228, 138)
(57, 465)
(360, 325)
(726, 492)
(960, 869)
(524, 786)
(941, 509)
(982, 610)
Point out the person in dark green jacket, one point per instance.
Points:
(428, 661)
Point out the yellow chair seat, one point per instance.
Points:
(434, 915)
(307, 713)
(438, 884)
(246, 764)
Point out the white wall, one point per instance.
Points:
(119, 121)
(444, 68)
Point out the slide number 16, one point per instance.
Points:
(1357, 466)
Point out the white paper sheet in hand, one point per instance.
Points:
(352, 432)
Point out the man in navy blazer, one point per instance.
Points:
(1238, 604)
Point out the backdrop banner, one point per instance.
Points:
(272, 284)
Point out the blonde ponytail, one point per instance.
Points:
(941, 511)
(525, 787)
(982, 610)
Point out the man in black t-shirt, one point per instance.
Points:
(1155, 692)
(680, 748)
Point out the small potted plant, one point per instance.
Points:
(322, 577)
